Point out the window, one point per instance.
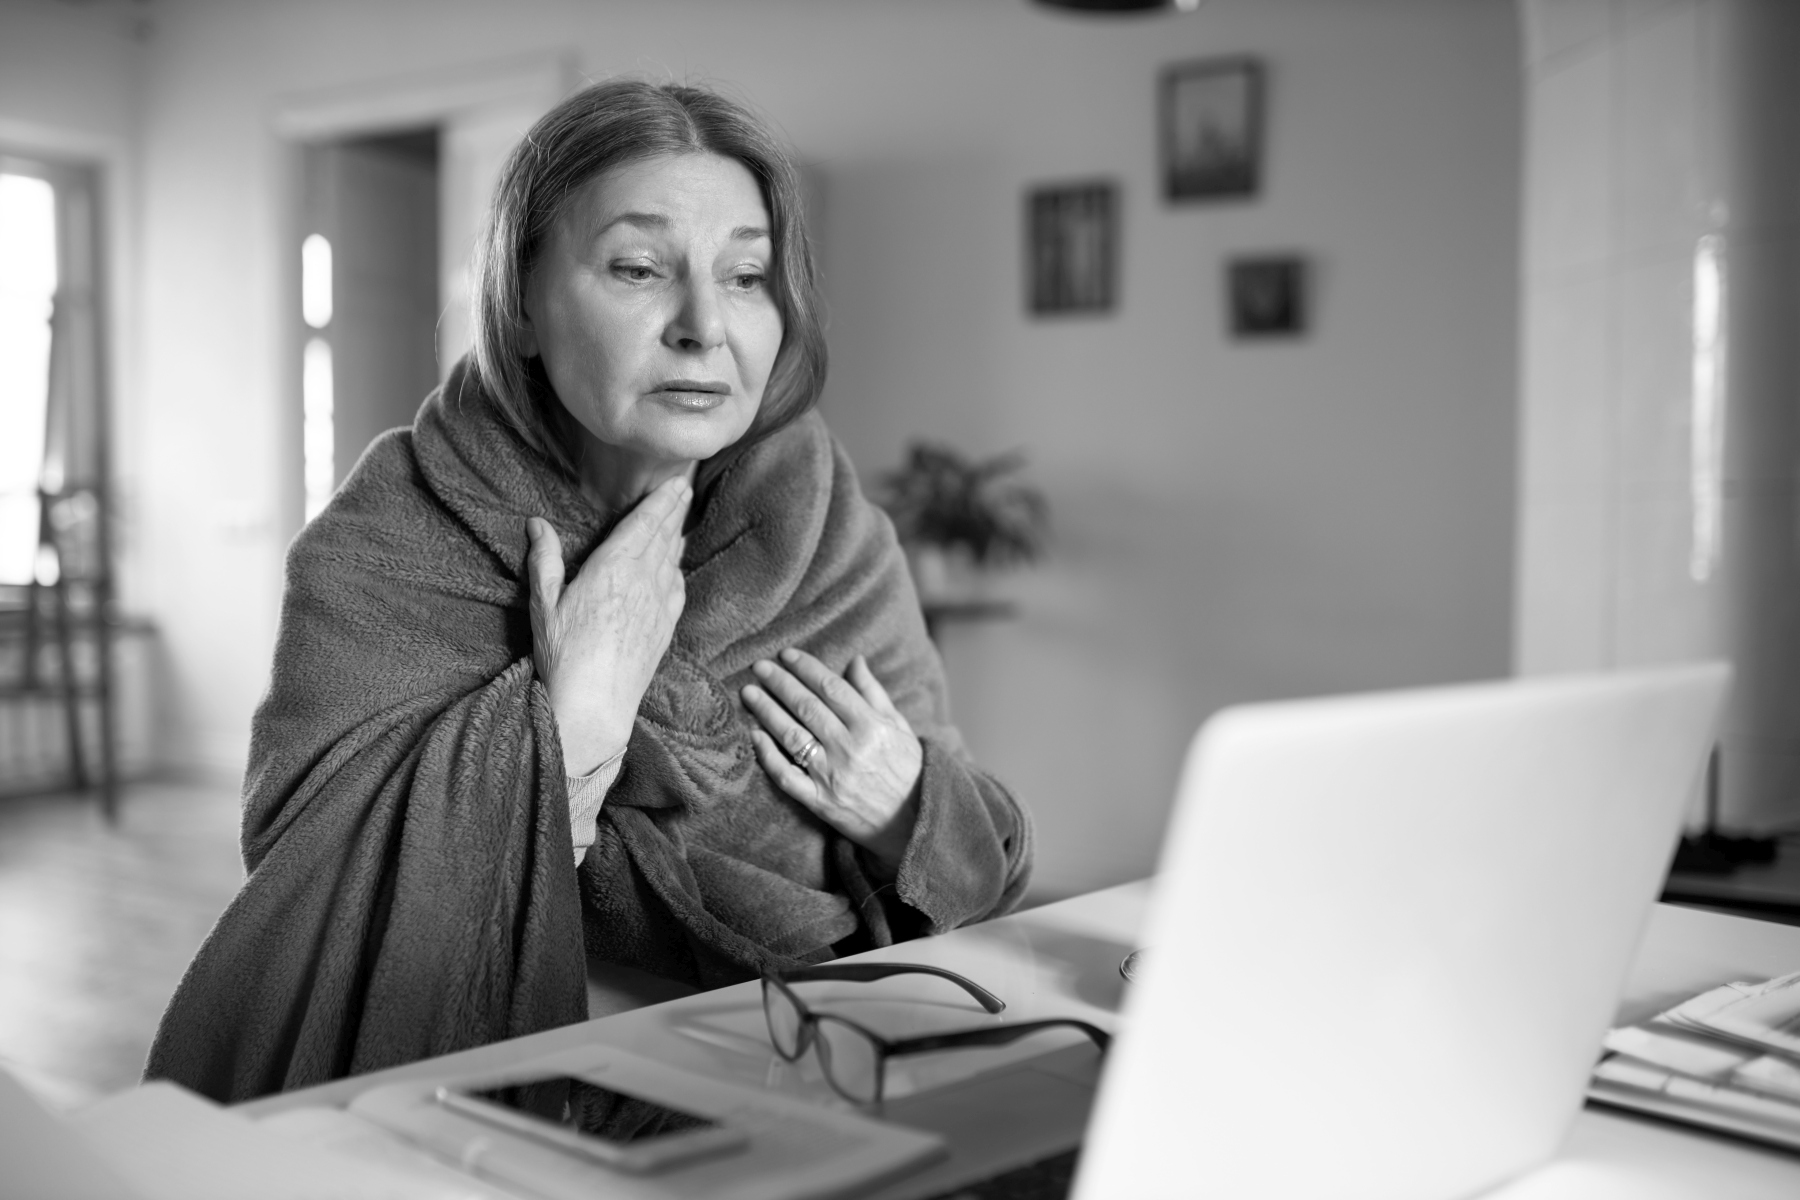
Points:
(52, 436)
(56, 619)
(27, 296)
(318, 432)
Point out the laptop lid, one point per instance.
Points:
(1388, 934)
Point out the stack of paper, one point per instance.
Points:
(1728, 1059)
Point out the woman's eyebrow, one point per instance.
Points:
(657, 221)
(641, 219)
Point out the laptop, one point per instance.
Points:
(1388, 934)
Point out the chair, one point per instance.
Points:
(55, 642)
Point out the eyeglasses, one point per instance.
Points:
(854, 1057)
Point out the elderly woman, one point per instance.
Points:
(605, 663)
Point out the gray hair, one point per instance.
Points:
(604, 126)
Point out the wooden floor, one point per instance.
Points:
(98, 922)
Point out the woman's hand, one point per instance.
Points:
(839, 747)
(597, 642)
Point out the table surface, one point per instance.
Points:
(1062, 960)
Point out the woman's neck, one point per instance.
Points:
(615, 479)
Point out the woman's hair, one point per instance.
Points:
(596, 129)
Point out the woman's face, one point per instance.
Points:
(650, 305)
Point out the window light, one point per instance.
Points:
(317, 433)
(315, 280)
(1706, 462)
(27, 290)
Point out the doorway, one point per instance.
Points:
(369, 295)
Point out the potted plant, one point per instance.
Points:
(961, 519)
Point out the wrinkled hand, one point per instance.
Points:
(863, 779)
(597, 642)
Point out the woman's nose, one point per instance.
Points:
(699, 320)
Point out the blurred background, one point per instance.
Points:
(1506, 437)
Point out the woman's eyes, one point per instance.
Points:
(745, 281)
(634, 272)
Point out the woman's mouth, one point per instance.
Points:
(697, 395)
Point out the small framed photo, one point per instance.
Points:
(1266, 296)
(1212, 128)
(1073, 247)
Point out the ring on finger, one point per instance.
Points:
(807, 753)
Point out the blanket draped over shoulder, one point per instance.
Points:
(411, 890)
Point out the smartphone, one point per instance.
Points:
(619, 1130)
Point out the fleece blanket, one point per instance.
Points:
(411, 890)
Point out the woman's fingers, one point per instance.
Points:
(668, 572)
(790, 729)
(869, 687)
(598, 634)
(544, 563)
(802, 701)
(544, 571)
(657, 516)
(823, 682)
(665, 500)
(864, 779)
(665, 546)
(788, 777)
(668, 529)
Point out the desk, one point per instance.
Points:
(1062, 960)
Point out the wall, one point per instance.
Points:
(1658, 520)
(1232, 522)
(69, 80)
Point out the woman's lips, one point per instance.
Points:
(692, 394)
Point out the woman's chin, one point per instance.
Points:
(670, 447)
(691, 435)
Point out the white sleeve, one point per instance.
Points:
(586, 793)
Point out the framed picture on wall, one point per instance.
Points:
(1212, 128)
(1266, 296)
(1072, 244)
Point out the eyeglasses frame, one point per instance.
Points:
(806, 1036)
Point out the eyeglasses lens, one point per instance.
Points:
(851, 1061)
(784, 1020)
